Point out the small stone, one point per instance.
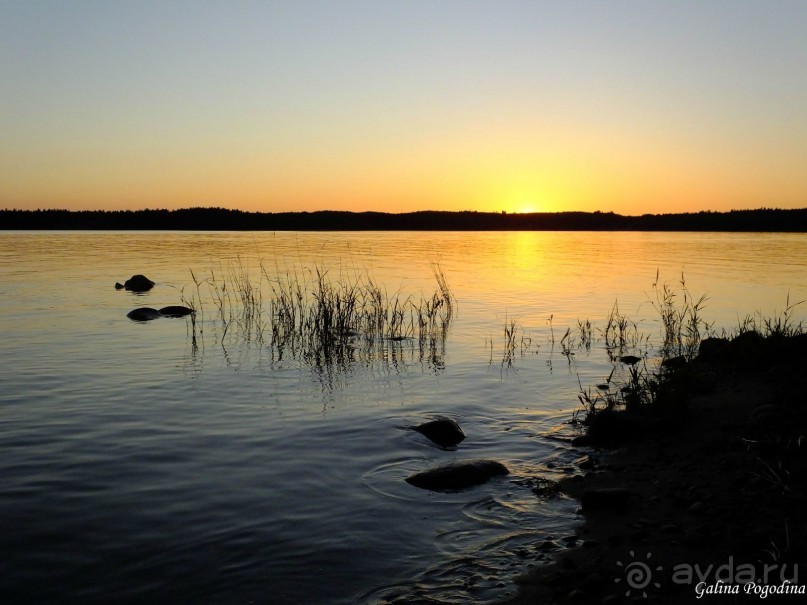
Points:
(459, 475)
(443, 431)
(143, 314)
(175, 311)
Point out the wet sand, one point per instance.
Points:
(713, 490)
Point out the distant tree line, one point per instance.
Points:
(222, 219)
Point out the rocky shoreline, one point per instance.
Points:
(700, 502)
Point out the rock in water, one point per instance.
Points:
(443, 431)
(175, 311)
(458, 475)
(143, 314)
(138, 283)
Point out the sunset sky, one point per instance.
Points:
(630, 107)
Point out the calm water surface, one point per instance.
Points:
(141, 465)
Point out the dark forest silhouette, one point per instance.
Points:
(221, 219)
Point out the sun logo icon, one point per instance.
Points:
(638, 574)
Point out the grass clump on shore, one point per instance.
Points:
(714, 466)
(643, 388)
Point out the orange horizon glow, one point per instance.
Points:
(493, 173)
(524, 107)
(514, 181)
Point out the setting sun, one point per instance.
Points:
(521, 107)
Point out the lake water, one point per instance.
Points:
(169, 462)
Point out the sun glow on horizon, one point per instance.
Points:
(552, 110)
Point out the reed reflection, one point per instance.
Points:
(330, 321)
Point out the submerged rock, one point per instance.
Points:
(458, 475)
(175, 311)
(138, 283)
(630, 360)
(544, 487)
(443, 431)
(143, 314)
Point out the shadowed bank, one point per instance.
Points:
(699, 495)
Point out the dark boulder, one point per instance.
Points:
(175, 311)
(747, 349)
(118, 285)
(458, 475)
(143, 314)
(443, 431)
(711, 349)
(138, 283)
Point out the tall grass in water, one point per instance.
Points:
(193, 301)
(682, 321)
(320, 317)
(631, 383)
(238, 299)
(514, 342)
(619, 333)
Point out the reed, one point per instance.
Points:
(682, 322)
(514, 343)
(783, 324)
(631, 384)
(620, 332)
(193, 301)
(309, 313)
(584, 333)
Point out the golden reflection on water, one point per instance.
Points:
(530, 274)
(162, 423)
(545, 282)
